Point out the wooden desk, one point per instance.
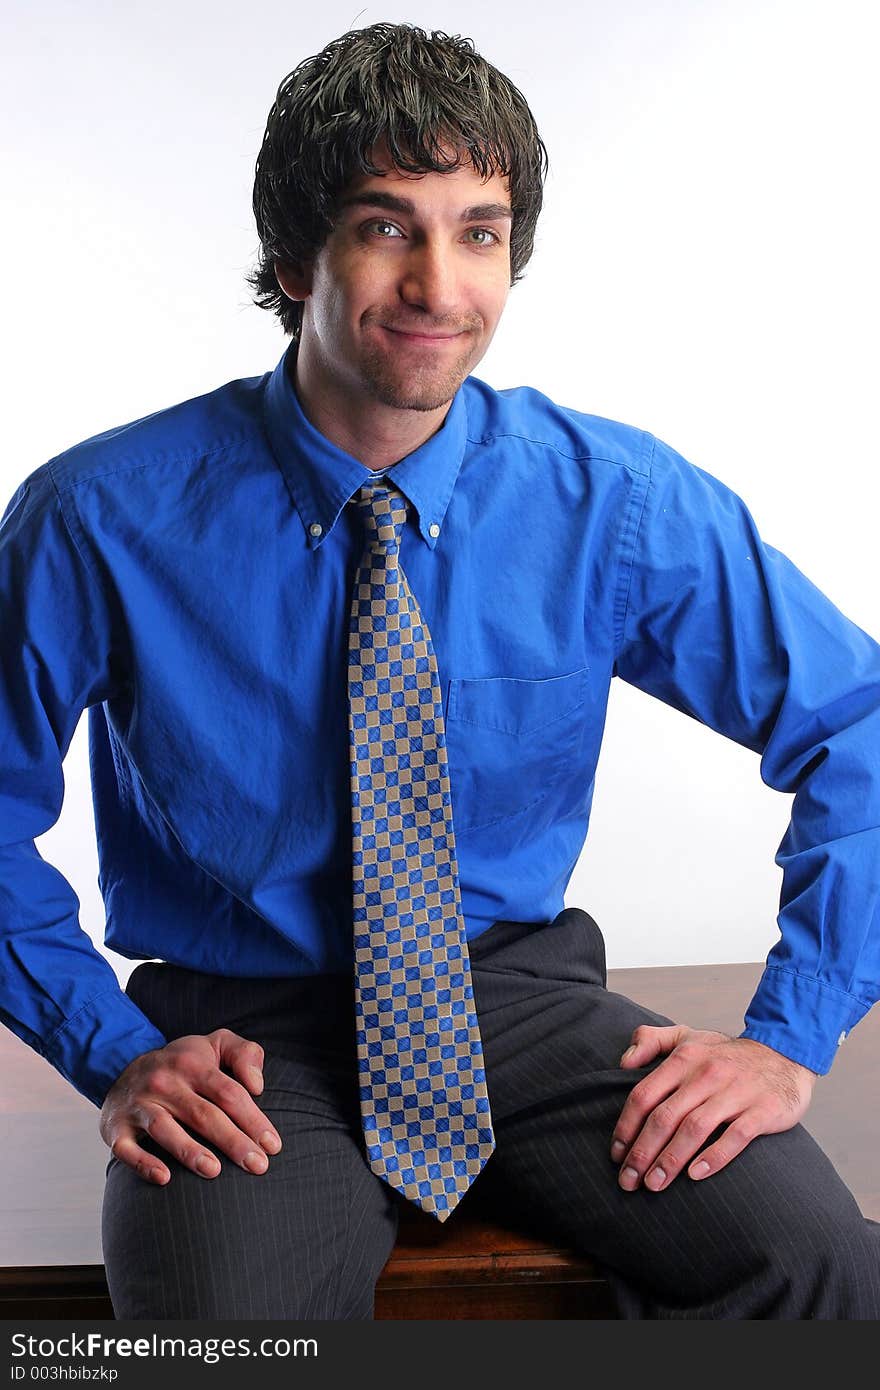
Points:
(52, 1163)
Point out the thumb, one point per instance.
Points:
(650, 1042)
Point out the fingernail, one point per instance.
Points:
(270, 1142)
(629, 1178)
(700, 1169)
(256, 1163)
(207, 1164)
(618, 1149)
(256, 1076)
(630, 1052)
(656, 1178)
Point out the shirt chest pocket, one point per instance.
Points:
(510, 741)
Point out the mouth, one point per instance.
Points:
(426, 339)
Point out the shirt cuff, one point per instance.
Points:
(94, 1047)
(801, 1017)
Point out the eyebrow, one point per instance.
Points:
(390, 202)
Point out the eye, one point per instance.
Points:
(384, 229)
(484, 232)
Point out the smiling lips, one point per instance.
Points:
(422, 337)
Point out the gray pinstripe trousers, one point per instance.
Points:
(776, 1234)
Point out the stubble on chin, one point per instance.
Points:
(404, 386)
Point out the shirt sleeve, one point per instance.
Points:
(57, 992)
(720, 625)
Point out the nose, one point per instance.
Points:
(428, 281)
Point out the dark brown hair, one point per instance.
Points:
(422, 94)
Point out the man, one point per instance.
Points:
(346, 634)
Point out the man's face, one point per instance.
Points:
(407, 291)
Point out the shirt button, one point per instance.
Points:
(316, 528)
(433, 529)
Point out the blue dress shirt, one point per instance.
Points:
(187, 579)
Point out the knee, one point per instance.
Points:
(286, 1244)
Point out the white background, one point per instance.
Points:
(705, 268)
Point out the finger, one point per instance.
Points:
(649, 1042)
(146, 1165)
(209, 1123)
(243, 1057)
(692, 1133)
(643, 1099)
(736, 1137)
(223, 1111)
(659, 1130)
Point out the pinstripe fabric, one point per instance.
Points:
(776, 1235)
(424, 1103)
(307, 1238)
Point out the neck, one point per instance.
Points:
(377, 435)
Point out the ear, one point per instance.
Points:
(294, 279)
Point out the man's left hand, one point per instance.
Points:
(707, 1079)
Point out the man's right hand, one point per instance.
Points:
(182, 1084)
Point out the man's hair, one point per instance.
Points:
(422, 94)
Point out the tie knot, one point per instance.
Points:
(383, 510)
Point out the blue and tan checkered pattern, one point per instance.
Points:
(424, 1102)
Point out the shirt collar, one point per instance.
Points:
(322, 477)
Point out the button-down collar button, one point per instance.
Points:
(434, 529)
(316, 528)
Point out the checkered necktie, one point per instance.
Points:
(424, 1104)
